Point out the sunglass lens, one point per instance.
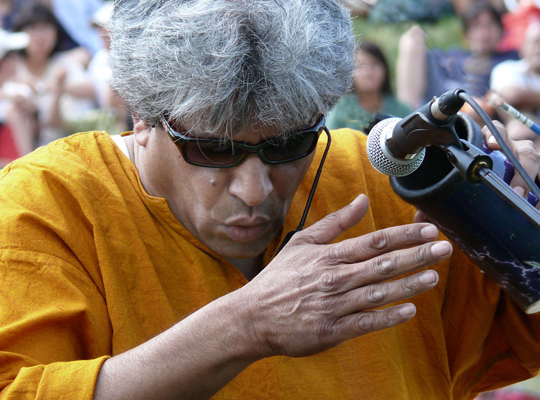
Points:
(210, 154)
(294, 147)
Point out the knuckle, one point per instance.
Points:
(528, 152)
(418, 256)
(410, 233)
(376, 294)
(378, 240)
(329, 281)
(421, 255)
(365, 322)
(408, 285)
(385, 267)
(325, 329)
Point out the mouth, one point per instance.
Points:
(246, 233)
(247, 229)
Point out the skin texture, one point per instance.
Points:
(313, 296)
(234, 211)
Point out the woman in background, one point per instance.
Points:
(62, 91)
(371, 92)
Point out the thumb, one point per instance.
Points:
(333, 225)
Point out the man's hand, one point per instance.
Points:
(315, 295)
(525, 152)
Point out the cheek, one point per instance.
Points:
(287, 177)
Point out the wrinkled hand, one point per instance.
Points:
(315, 295)
(525, 152)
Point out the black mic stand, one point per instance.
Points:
(476, 167)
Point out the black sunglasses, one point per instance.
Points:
(216, 153)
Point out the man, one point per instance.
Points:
(423, 73)
(518, 83)
(145, 268)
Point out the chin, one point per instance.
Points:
(236, 250)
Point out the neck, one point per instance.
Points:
(36, 65)
(250, 268)
(371, 102)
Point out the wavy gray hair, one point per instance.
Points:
(221, 64)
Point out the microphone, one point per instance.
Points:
(396, 147)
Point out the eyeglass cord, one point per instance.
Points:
(311, 194)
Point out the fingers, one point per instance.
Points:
(378, 295)
(525, 152)
(380, 242)
(490, 139)
(375, 320)
(529, 158)
(366, 285)
(333, 225)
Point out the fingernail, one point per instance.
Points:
(429, 232)
(407, 310)
(428, 277)
(492, 140)
(441, 249)
(519, 190)
(357, 199)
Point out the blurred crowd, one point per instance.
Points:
(499, 59)
(54, 77)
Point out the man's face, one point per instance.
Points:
(234, 211)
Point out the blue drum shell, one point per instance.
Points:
(499, 239)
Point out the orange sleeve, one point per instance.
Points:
(52, 315)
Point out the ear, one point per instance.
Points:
(141, 131)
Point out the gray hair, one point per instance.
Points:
(221, 64)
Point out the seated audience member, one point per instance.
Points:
(371, 92)
(63, 92)
(423, 74)
(461, 6)
(75, 18)
(146, 265)
(18, 118)
(518, 84)
(516, 22)
(112, 115)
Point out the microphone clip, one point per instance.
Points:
(468, 160)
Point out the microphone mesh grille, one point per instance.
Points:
(381, 160)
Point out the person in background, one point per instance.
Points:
(75, 17)
(516, 21)
(113, 116)
(62, 91)
(18, 115)
(518, 84)
(371, 92)
(423, 73)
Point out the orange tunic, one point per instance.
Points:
(91, 266)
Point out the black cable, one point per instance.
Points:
(311, 194)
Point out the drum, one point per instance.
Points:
(498, 238)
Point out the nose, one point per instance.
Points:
(251, 181)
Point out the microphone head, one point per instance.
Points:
(380, 157)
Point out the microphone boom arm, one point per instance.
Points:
(476, 166)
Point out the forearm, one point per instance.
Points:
(192, 360)
(522, 99)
